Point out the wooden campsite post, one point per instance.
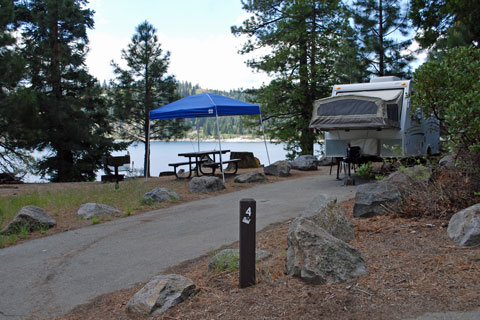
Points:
(248, 208)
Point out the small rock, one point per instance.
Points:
(160, 294)
(206, 184)
(90, 210)
(305, 163)
(464, 226)
(160, 195)
(317, 257)
(32, 217)
(280, 169)
(229, 258)
(250, 177)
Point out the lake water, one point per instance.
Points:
(163, 153)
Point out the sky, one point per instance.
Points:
(196, 32)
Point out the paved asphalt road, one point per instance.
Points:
(48, 277)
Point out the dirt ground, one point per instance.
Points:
(413, 268)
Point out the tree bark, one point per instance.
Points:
(381, 50)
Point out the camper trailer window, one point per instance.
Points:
(347, 107)
(393, 97)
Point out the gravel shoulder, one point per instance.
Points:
(413, 269)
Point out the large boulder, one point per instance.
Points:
(410, 176)
(229, 259)
(206, 184)
(372, 199)
(464, 226)
(97, 210)
(160, 294)
(326, 161)
(247, 159)
(249, 177)
(317, 257)
(305, 162)
(332, 219)
(32, 217)
(448, 161)
(160, 195)
(280, 169)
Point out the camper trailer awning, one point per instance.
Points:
(357, 112)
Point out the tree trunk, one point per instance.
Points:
(147, 106)
(381, 50)
(306, 136)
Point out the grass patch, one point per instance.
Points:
(226, 260)
(69, 200)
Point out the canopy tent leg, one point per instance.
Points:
(146, 171)
(264, 140)
(219, 144)
(198, 135)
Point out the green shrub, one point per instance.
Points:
(226, 261)
(366, 170)
(449, 88)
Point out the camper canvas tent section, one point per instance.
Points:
(376, 118)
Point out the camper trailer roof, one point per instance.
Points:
(384, 79)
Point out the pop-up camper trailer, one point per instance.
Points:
(375, 118)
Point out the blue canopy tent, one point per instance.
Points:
(207, 105)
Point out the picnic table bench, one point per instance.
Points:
(189, 163)
(216, 165)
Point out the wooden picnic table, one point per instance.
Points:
(205, 158)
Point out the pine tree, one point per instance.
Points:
(73, 121)
(379, 25)
(14, 156)
(302, 37)
(444, 24)
(142, 87)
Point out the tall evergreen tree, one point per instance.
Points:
(445, 24)
(72, 120)
(302, 37)
(379, 25)
(142, 87)
(14, 159)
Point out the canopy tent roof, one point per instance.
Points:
(203, 105)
